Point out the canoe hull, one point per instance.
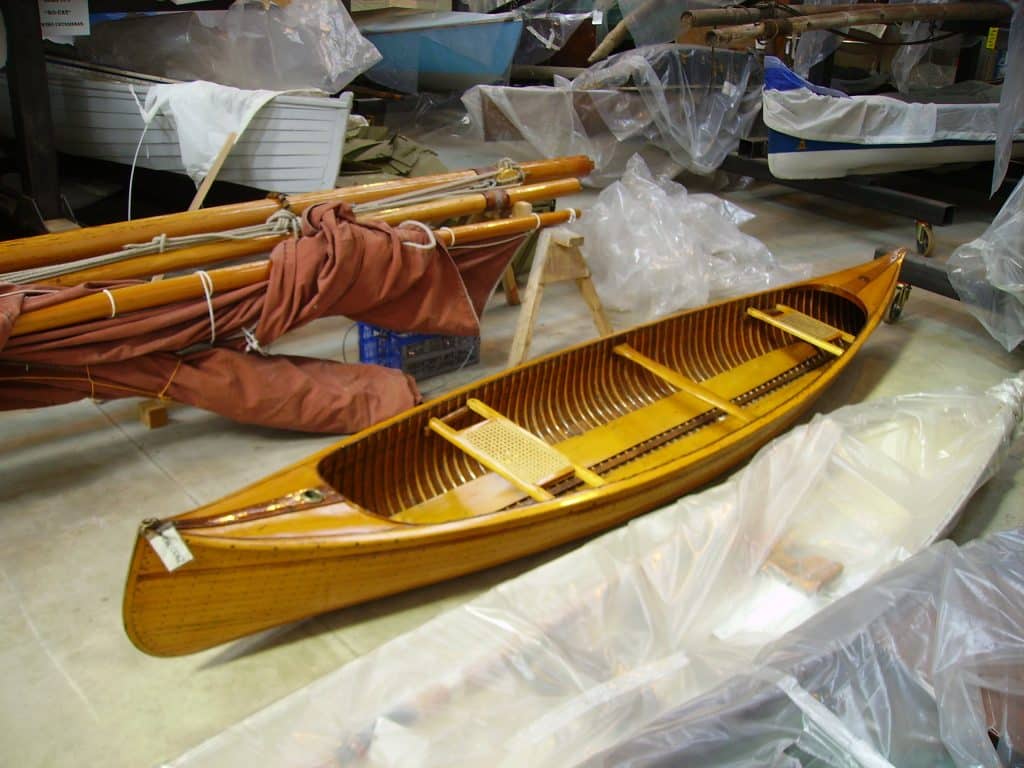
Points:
(240, 584)
(285, 585)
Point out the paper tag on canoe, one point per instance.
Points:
(597, 17)
(169, 546)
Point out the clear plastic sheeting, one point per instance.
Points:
(654, 248)
(301, 45)
(988, 273)
(815, 46)
(546, 33)
(580, 655)
(690, 103)
(913, 669)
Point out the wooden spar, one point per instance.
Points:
(132, 298)
(715, 17)
(57, 248)
(212, 253)
(620, 31)
(477, 202)
(873, 14)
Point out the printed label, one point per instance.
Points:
(64, 17)
(169, 546)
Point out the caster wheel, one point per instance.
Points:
(925, 238)
(899, 298)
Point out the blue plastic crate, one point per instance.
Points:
(421, 355)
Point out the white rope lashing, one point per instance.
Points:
(431, 240)
(207, 282)
(113, 304)
(451, 234)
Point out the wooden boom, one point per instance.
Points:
(132, 298)
(59, 247)
(212, 253)
(873, 14)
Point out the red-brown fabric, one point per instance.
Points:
(338, 267)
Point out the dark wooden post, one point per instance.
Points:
(30, 106)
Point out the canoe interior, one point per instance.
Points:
(563, 397)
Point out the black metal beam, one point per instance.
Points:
(30, 106)
(859, 193)
(924, 273)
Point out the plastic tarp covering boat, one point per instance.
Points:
(580, 655)
(988, 273)
(209, 352)
(682, 107)
(299, 45)
(822, 133)
(924, 666)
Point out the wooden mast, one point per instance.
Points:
(25, 253)
(132, 298)
(210, 253)
(872, 14)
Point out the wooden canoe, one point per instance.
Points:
(550, 451)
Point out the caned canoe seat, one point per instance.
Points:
(804, 327)
(516, 454)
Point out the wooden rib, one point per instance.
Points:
(810, 338)
(146, 295)
(680, 382)
(57, 248)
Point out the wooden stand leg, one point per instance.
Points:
(556, 259)
(508, 282)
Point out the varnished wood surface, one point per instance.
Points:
(57, 248)
(416, 510)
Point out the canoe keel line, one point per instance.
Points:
(554, 450)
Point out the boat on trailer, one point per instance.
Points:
(550, 451)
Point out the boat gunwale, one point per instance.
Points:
(394, 533)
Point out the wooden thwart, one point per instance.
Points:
(517, 455)
(804, 327)
(680, 382)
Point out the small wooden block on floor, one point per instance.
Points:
(153, 413)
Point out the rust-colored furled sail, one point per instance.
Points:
(339, 267)
(559, 448)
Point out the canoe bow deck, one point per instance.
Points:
(556, 449)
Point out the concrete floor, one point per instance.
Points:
(76, 480)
